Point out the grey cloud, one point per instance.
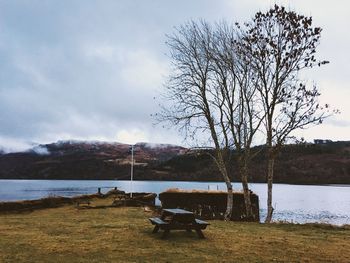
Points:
(41, 150)
(90, 69)
(339, 122)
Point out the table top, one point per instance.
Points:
(178, 211)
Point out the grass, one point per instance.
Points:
(67, 234)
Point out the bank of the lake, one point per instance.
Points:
(293, 203)
(68, 234)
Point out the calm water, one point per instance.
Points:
(293, 203)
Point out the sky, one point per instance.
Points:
(91, 70)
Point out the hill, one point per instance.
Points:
(83, 160)
(325, 163)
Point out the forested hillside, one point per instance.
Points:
(327, 163)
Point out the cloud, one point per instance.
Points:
(74, 70)
(142, 70)
(41, 150)
(8, 145)
(104, 52)
(131, 136)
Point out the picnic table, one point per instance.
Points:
(178, 219)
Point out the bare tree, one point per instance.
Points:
(237, 98)
(280, 44)
(211, 90)
(191, 94)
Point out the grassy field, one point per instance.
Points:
(68, 234)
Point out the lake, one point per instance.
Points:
(293, 203)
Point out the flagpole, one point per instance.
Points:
(132, 169)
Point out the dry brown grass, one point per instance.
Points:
(67, 234)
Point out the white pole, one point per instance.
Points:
(132, 168)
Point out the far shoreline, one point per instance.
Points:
(195, 181)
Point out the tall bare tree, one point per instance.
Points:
(237, 95)
(211, 90)
(191, 94)
(281, 44)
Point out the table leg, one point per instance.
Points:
(166, 233)
(155, 229)
(199, 233)
(188, 229)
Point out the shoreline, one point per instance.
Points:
(23, 206)
(59, 201)
(293, 210)
(150, 180)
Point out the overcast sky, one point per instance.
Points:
(89, 70)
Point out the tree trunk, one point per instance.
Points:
(270, 167)
(220, 162)
(228, 213)
(246, 192)
(243, 166)
(223, 170)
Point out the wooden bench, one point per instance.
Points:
(176, 224)
(159, 224)
(202, 224)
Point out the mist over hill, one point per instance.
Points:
(323, 163)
